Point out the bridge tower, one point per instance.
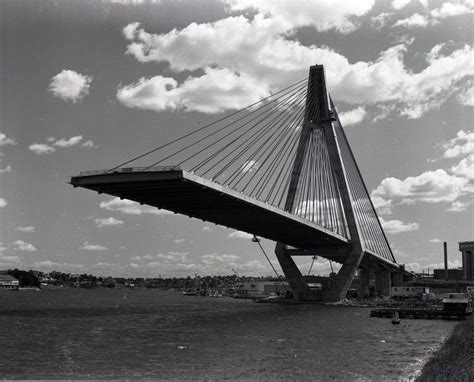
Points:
(319, 115)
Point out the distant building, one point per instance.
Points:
(261, 288)
(409, 291)
(453, 274)
(9, 282)
(467, 250)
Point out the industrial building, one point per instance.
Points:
(467, 249)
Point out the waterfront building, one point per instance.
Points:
(261, 288)
(467, 250)
(9, 282)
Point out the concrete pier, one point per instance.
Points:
(383, 282)
(364, 283)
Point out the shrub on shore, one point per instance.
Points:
(454, 361)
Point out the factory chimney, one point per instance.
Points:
(445, 245)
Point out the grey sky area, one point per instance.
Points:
(87, 85)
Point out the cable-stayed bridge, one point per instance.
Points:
(281, 168)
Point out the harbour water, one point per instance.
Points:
(150, 334)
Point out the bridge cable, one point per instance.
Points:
(206, 126)
(257, 240)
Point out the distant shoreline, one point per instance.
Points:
(454, 361)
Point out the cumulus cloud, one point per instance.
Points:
(336, 14)
(399, 4)
(352, 117)
(21, 245)
(93, 247)
(415, 20)
(5, 170)
(25, 229)
(131, 208)
(215, 91)
(431, 186)
(452, 9)
(466, 97)
(206, 228)
(270, 61)
(240, 235)
(397, 226)
(69, 85)
(3, 203)
(107, 222)
(63, 142)
(88, 144)
(435, 186)
(41, 148)
(462, 144)
(5, 141)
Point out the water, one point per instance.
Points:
(142, 334)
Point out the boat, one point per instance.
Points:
(395, 318)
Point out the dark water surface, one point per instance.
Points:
(126, 334)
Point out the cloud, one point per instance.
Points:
(206, 228)
(69, 85)
(21, 245)
(179, 241)
(462, 144)
(131, 208)
(93, 247)
(452, 9)
(458, 206)
(41, 148)
(397, 226)
(25, 229)
(381, 20)
(352, 117)
(430, 186)
(68, 142)
(399, 4)
(107, 222)
(415, 20)
(383, 206)
(240, 235)
(207, 94)
(5, 141)
(88, 144)
(3, 203)
(269, 61)
(465, 167)
(466, 97)
(5, 170)
(435, 241)
(323, 15)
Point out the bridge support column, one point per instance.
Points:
(397, 279)
(383, 282)
(292, 273)
(364, 283)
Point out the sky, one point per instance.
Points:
(86, 85)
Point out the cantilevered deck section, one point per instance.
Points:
(179, 191)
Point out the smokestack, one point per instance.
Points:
(445, 245)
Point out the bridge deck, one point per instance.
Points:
(181, 192)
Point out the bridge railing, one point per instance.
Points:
(131, 169)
